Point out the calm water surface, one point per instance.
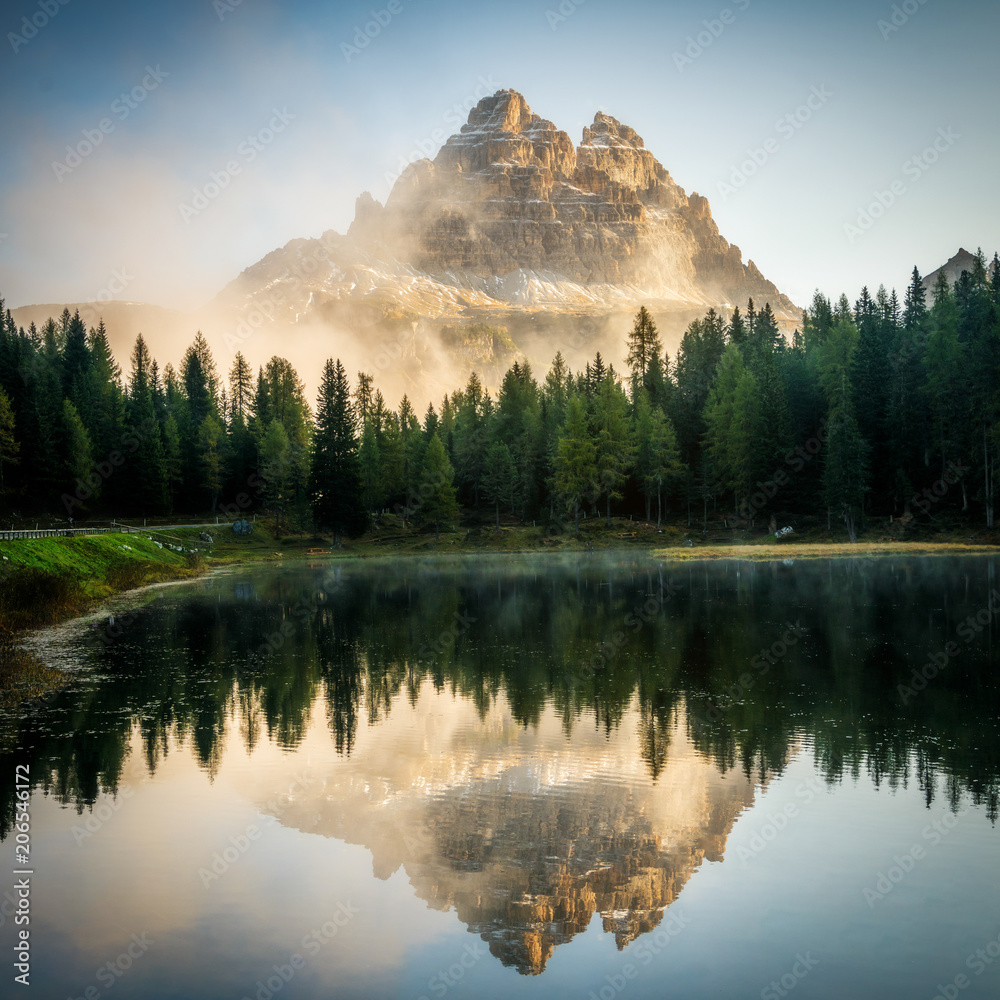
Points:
(520, 777)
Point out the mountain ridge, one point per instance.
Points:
(511, 215)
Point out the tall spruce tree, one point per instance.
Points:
(657, 454)
(615, 449)
(575, 479)
(500, 480)
(845, 469)
(438, 498)
(335, 481)
(643, 346)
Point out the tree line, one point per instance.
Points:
(874, 410)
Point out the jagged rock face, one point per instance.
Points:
(510, 195)
(511, 216)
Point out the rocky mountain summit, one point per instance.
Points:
(511, 209)
(512, 224)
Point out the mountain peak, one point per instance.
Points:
(503, 130)
(608, 131)
(953, 268)
(512, 223)
(504, 111)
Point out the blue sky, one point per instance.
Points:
(192, 88)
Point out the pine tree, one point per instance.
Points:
(213, 453)
(144, 468)
(285, 401)
(430, 422)
(657, 457)
(615, 450)
(698, 357)
(173, 466)
(364, 398)
(744, 437)
(439, 503)
(76, 367)
(846, 466)
(575, 478)
(107, 400)
(554, 398)
(240, 390)
(9, 446)
(470, 439)
(275, 469)
(834, 355)
(78, 473)
(737, 329)
(944, 361)
(500, 480)
(643, 346)
(335, 482)
(719, 417)
(371, 467)
(517, 423)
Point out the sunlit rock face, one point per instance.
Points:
(510, 208)
(524, 833)
(511, 215)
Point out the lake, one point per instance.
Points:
(518, 776)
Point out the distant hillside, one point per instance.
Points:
(164, 330)
(962, 261)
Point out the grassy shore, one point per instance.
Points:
(44, 581)
(47, 580)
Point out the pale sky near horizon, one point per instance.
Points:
(709, 86)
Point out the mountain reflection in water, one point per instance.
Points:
(533, 742)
